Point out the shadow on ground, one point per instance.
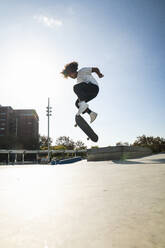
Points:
(126, 162)
(144, 160)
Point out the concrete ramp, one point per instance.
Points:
(84, 205)
(153, 159)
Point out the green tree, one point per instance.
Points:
(122, 144)
(43, 141)
(79, 145)
(66, 142)
(156, 144)
(61, 147)
(150, 140)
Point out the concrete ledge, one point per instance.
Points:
(117, 153)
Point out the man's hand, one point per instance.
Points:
(101, 75)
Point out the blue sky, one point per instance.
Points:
(124, 38)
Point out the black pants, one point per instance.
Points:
(85, 92)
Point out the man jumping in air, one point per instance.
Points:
(86, 87)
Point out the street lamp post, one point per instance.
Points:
(48, 114)
(16, 134)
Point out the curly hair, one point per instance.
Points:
(71, 67)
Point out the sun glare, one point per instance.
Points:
(31, 68)
(31, 71)
(28, 66)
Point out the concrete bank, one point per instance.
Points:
(117, 153)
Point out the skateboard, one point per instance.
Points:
(86, 128)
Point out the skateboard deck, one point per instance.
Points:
(86, 128)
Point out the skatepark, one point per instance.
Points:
(85, 204)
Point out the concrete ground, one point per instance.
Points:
(84, 205)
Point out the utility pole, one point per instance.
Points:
(48, 114)
(16, 134)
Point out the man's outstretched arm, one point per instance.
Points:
(97, 71)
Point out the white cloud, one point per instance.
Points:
(48, 21)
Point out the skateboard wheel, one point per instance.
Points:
(75, 125)
(88, 138)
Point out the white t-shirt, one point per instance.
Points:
(85, 75)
